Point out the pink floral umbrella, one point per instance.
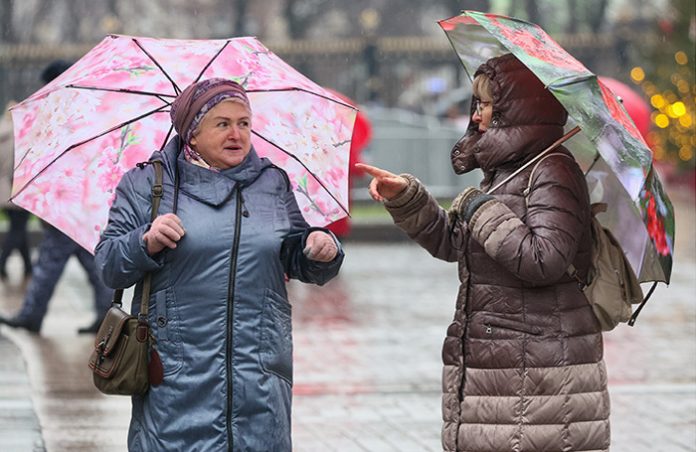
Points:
(78, 135)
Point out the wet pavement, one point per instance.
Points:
(367, 361)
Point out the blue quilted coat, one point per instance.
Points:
(218, 305)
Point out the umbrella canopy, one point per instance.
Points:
(618, 163)
(76, 136)
(636, 106)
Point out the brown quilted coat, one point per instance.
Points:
(523, 368)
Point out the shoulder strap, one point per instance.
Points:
(157, 191)
(531, 174)
(541, 155)
(572, 271)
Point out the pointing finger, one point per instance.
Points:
(373, 170)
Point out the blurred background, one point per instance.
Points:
(357, 382)
(392, 59)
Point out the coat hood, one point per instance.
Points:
(526, 119)
(210, 187)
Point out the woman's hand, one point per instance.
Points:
(385, 185)
(320, 247)
(165, 231)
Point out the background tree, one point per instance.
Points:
(573, 20)
(670, 83)
(240, 18)
(6, 8)
(456, 6)
(595, 12)
(301, 14)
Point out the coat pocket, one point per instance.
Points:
(494, 326)
(164, 322)
(276, 336)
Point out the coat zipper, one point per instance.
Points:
(231, 285)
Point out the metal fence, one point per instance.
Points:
(358, 67)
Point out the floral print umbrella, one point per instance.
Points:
(76, 136)
(618, 163)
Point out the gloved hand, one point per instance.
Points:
(320, 247)
(466, 203)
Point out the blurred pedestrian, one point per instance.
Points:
(523, 358)
(16, 235)
(228, 232)
(54, 251)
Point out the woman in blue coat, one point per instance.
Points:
(228, 232)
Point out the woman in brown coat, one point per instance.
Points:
(523, 367)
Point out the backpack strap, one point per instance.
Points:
(572, 271)
(531, 174)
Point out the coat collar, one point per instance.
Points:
(210, 187)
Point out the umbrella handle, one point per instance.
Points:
(553, 146)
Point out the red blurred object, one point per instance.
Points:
(636, 106)
(362, 134)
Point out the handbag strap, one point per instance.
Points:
(157, 191)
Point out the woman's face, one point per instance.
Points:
(224, 135)
(483, 114)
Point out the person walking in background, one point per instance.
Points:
(523, 357)
(54, 251)
(16, 236)
(228, 232)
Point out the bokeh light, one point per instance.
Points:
(662, 121)
(637, 74)
(657, 101)
(681, 58)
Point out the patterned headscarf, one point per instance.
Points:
(189, 108)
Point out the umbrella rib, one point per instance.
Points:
(567, 81)
(160, 96)
(166, 139)
(594, 162)
(294, 157)
(157, 110)
(211, 61)
(177, 90)
(276, 90)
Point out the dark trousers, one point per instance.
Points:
(54, 251)
(16, 239)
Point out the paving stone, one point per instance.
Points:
(367, 361)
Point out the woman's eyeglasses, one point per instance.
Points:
(480, 104)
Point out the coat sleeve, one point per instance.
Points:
(540, 248)
(418, 214)
(295, 263)
(121, 254)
